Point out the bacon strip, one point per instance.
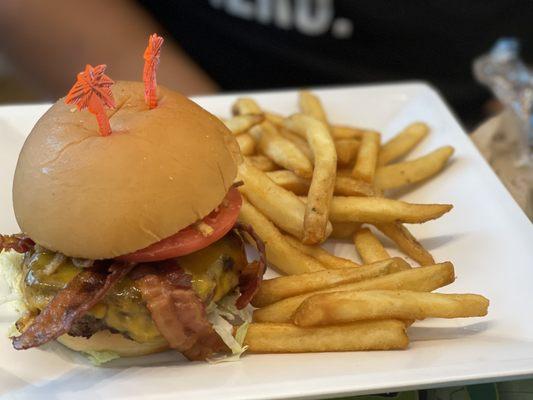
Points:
(177, 311)
(252, 276)
(79, 296)
(18, 243)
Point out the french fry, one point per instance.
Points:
(282, 207)
(323, 181)
(359, 336)
(347, 186)
(344, 230)
(245, 105)
(406, 242)
(262, 163)
(381, 210)
(310, 105)
(344, 186)
(242, 123)
(401, 264)
(246, 144)
(341, 173)
(424, 279)
(346, 138)
(402, 143)
(327, 259)
(346, 150)
(369, 247)
(274, 118)
(367, 157)
(290, 181)
(347, 198)
(298, 141)
(351, 306)
(344, 172)
(345, 143)
(404, 173)
(271, 143)
(281, 254)
(273, 290)
(340, 132)
(281, 150)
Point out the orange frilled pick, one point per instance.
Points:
(92, 90)
(151, 61)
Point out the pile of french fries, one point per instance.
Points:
(307, 179)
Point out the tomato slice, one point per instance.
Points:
(190, 239)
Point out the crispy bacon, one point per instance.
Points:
(79, 296)
(177, 311)
(19, 243)
(252, 276)
(208, 344)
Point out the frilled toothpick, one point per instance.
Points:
(92, 90)
(151, 61)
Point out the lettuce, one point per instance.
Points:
(100, 357)
(11, 273)
(224, 316)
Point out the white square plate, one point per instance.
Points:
(486, 236)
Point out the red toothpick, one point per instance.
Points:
(92, 90)
(151, 61)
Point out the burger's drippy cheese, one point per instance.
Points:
(214, 271)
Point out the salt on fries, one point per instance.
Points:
(306, 179)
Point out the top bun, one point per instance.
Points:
(97, 197)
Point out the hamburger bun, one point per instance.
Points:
(114, 342)
(96, 197)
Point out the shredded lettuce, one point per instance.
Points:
(11, 273)
(224, 316)
(100, 357)
(240, 335)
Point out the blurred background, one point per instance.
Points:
(233, 45)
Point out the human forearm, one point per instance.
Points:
(50, 41)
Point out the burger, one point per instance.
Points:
(129, 242)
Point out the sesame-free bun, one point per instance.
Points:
(114, 342)
(97, 197)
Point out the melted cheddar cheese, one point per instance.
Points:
(214, 271)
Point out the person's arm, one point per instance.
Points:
(50, 41)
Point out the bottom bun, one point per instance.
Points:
(113, 342)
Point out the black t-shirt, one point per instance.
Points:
(259, 44)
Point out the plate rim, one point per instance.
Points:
(342, 382)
